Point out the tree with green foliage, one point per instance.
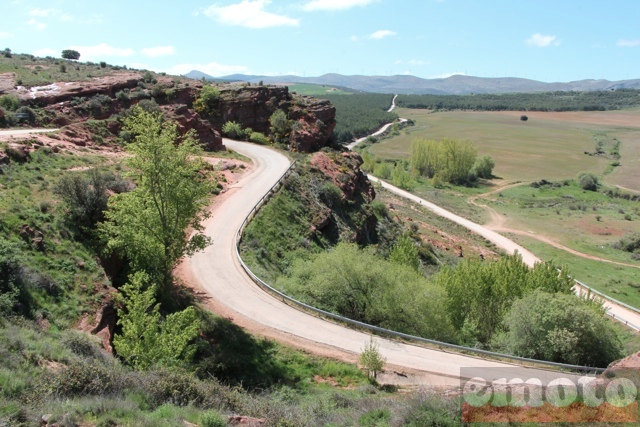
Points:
(233, 130)
(371, 359)
(361, 285)
(280, 126)
(208, 101)
(402, 178)
(483, 167)
(560, 328)
(9, 102)
(258, 138)
(588, 181)
(451, 159)
(405, 252)
(147, 339)
(85, 195)
(149, 224)
(71, 54)
(480, 293)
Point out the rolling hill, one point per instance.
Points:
(454, 85)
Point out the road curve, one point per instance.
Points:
(221, 275)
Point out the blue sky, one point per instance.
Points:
(560, 40)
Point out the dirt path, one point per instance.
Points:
(497, 223)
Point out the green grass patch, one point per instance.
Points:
(318, 90)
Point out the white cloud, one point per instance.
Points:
(36, 24)
(154, 52)
(377, 35)
(447, 75)
(380, 34)
(101, 51)
(314, 5)
(413, 62)
(47, 52)
(41, 13)
(539, 40)
(5, 35)
(249, 13)
(212, 68)
(628, 43)
(50, 13)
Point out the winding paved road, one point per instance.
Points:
(221, 275)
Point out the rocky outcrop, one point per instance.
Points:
(314, 121)
(251, 106)
(64, 91)
(344, 171)
(187, 119)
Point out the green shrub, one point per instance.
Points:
(207, 102)
(560, 328)
(629, 243)
(28, 112)
(9, 102)
(375, 418)
(233, 130)
(588, 181)
(212, 419)
(149, 105)
(258, 138)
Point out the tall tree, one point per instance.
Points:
(150, 223)
(71, 54)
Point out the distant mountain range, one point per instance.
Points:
(454, 85)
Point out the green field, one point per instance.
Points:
(548, 145)
(317, 90)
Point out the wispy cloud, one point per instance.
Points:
(101, 51)
(314, 5)
(628, 43)
(380, 34)
(41, 13)
(157, 51)
(213, 69)
(249, 14)
(5, 35)
(50, 13)
(36, 24)
(539, 40)
(376, 35)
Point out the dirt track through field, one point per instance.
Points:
(497, 221)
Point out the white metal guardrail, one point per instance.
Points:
(305, 307)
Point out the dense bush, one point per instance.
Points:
(588, 181)
(479, 294)
(258, 138)
(629, 243)
(233, 130)
(9, 102)
(560, 328)
(207, 102)
(361, 285)
(85, 195)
